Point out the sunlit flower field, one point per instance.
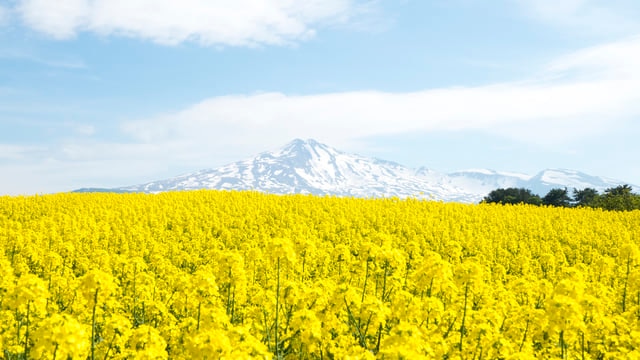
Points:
(239, 275)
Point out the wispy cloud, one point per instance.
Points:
(576, 95)
(586, 16)
(10, 152)
(16, 54)
(618, 60)
(227, 23)
(75, 162)
(4, 15)
(80, 129)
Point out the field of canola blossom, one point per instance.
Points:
(208, 275)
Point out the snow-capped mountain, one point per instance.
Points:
(548, 179)
(482, 181)
(309, 167)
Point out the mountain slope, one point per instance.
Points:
(309, 167)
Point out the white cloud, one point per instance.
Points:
(612, 60)
(575, 96)
(78, 162)
(207, 22)
(590, 16)
(582, 94)
(11, 152)
(4, 15)
(54, 175)
(83, 130)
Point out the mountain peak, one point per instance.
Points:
(298, 144)
(304, 151)
(310, 167)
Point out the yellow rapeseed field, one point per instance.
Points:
(239, 275)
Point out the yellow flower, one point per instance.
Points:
(61, 336)
(29, 295)
(309, 327)
(146, 343)
(97, 285)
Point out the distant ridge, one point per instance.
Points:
(310, 167)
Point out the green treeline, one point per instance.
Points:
(619, 198)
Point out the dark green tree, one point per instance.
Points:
(619, 198)
(512, 196)
(557, 197)
(585, 197)
(622, 190)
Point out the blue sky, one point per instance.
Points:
(118, 92)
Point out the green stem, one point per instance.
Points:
(384, 281)
(277, 306)
(229, 294)
(93, 324)
(464, 315)
(364, 288)
(304, 260)
(524, 337)
(352, 321)
(233, 304)
(106, 355)
(267, 332)
(135, 271)
(199, 308)
(626, 281)
(26, 339)
(379, 338)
